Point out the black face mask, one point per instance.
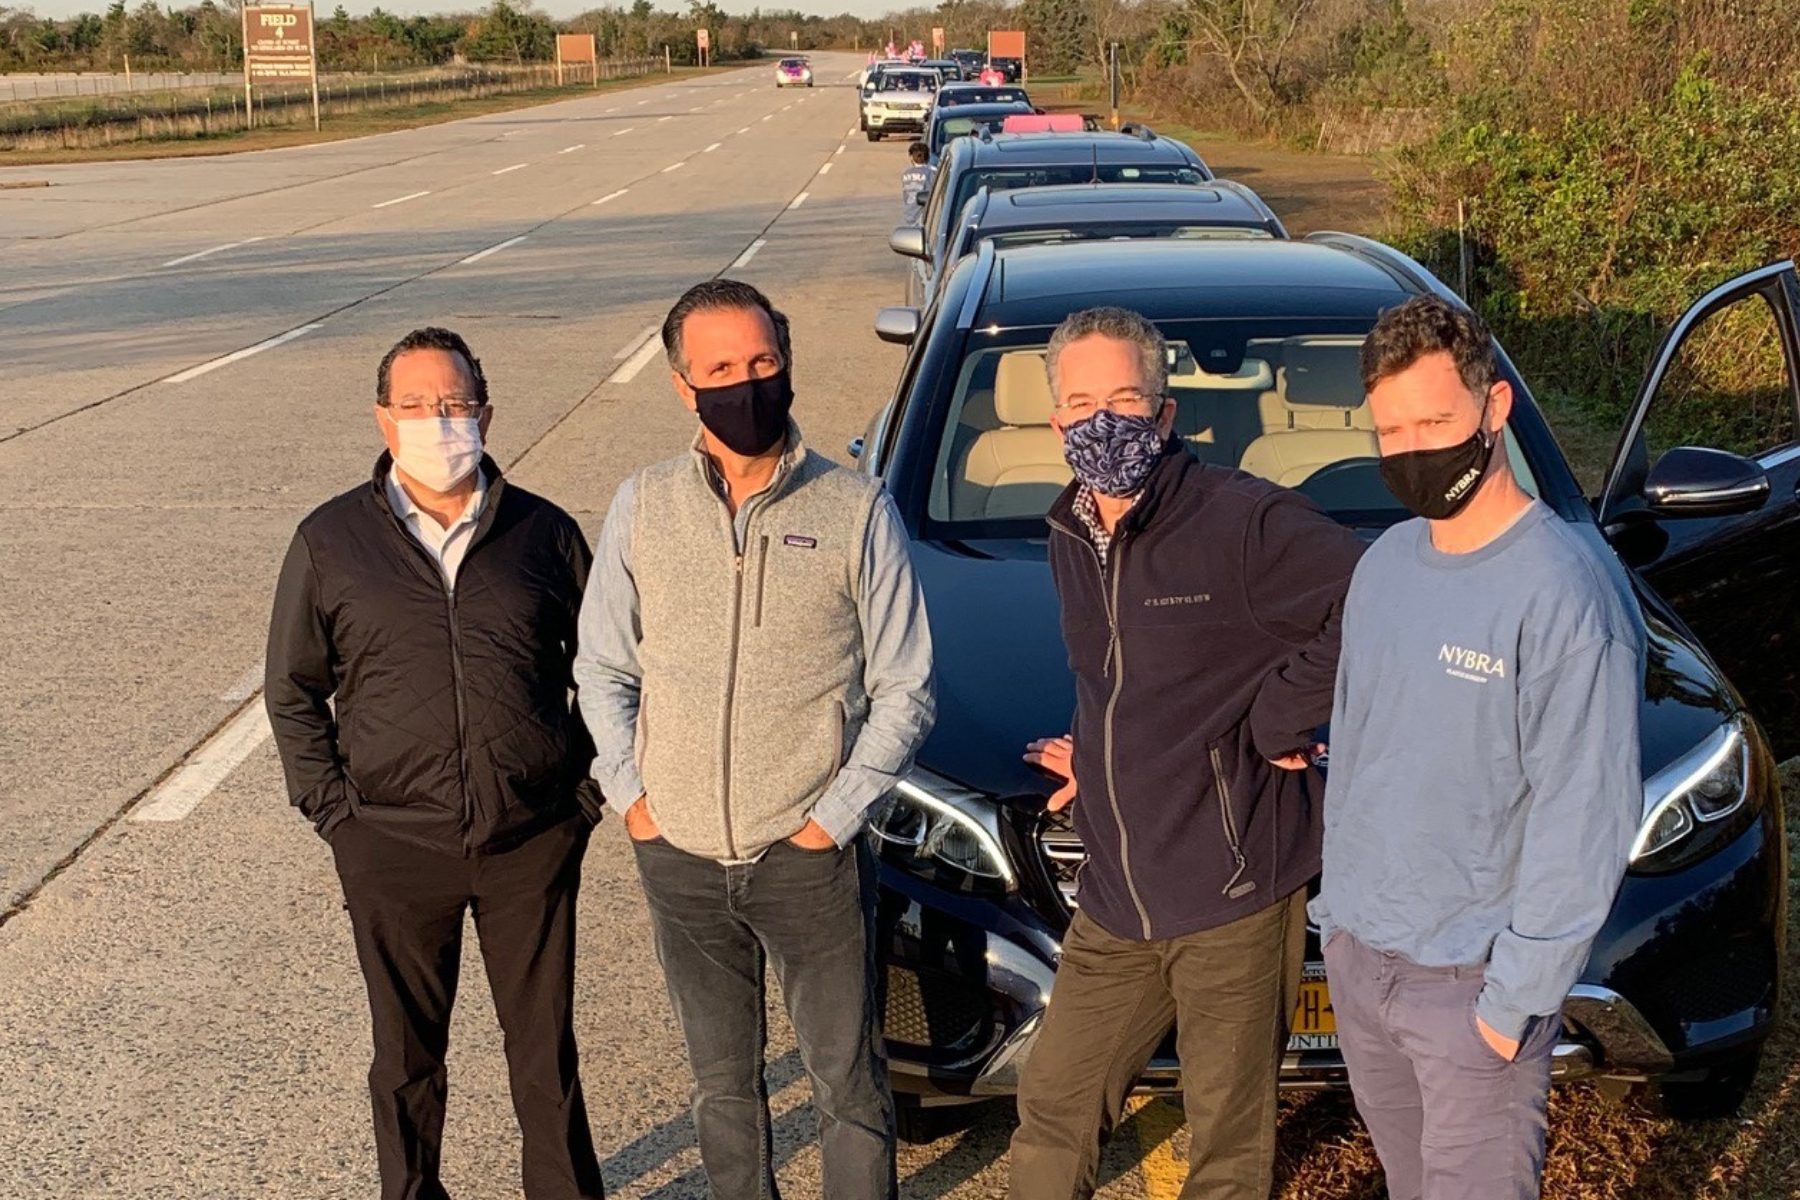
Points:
(749, 417)
(1436, 484)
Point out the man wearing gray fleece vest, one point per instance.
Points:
(755, 669)
(1484, 785)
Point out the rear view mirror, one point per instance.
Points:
(1694, 481)
(897, 325)
(908, 240)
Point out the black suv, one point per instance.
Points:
(1085, 212)
(978, 883)
(1006, 161)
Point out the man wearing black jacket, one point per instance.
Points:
(436, 605)
(1201, 609)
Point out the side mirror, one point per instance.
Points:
(1694, 481)
(897, 325)
(856, 447)
(908, 240)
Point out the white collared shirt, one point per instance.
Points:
(446, 546)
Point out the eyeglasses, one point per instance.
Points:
(413, 408)
(1124, 400)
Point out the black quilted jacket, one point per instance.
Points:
(454, 726)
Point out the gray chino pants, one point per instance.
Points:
(1451, 1119)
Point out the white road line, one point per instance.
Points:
(696, 108)
(798, 201)
(637, 343)
(481, 254)
(239, 355)
(712, 147)
(838, 151)
(206, 768)
(188, 258)
(748, 254)
(614, 108)
(245, 687)
(853, 132)
(826, 169)
(573, 149)
(674, 166)
(628, 371)
(770, 117)
(745, 129)
(785, 107)
(643, 102)
(623, 132)
(514, 167)
(400, 199)
(610, 196)
(660, 120)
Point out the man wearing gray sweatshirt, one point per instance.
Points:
(1484, 785)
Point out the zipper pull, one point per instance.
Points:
(740, 565)
(1112, 648)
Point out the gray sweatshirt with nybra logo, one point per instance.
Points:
(1484, 785)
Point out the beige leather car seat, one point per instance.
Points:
(1218, 415)
(1317, 414)
(1017, 469)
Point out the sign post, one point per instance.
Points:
(279, 48)
(703, 42)
(937, 39)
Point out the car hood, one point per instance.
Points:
(1003, 676)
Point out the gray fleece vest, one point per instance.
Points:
(752, 663)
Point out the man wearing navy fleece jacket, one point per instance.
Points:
(1484, 785)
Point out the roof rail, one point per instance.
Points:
(1139, 130)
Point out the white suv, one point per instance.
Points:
(899, 102)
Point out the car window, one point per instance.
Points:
(910, 82)
(1003, 179)
(954, 127)
(1728, 387)
(1282, 401)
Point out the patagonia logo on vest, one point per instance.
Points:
(1472, 665)
(804, 543)
(1172, 601)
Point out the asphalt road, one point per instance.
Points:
(187, 359)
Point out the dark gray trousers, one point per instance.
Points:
(1451, 1119)
(810, 915)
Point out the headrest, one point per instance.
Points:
(1022, 390)
(1322, 375)
(1252, 375)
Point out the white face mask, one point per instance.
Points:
(439, 452)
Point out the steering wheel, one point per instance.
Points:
(1348, 484)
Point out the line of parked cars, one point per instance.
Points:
(978, 881)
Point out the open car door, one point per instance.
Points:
(1701, 496)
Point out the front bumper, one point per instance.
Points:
(1686, 972)
(892, 121)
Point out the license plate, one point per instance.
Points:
(1314, 1026)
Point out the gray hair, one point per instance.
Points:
(1123, 325)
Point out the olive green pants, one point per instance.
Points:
(1228, 992)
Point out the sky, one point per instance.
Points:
(553, 8)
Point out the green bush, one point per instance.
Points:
(1588, 234)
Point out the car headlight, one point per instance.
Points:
(1696, 792)
(946, 833)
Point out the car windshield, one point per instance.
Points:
(954, 127)
(792, 64)
(1111, 231)
(987, 95)
(1279, 399)
(908, 81)
(1005, 179)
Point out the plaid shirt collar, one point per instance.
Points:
(1087, 511)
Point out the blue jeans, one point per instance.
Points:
(810, 915)
(1450, 1118)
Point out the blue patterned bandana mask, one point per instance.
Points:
(1113, 453)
